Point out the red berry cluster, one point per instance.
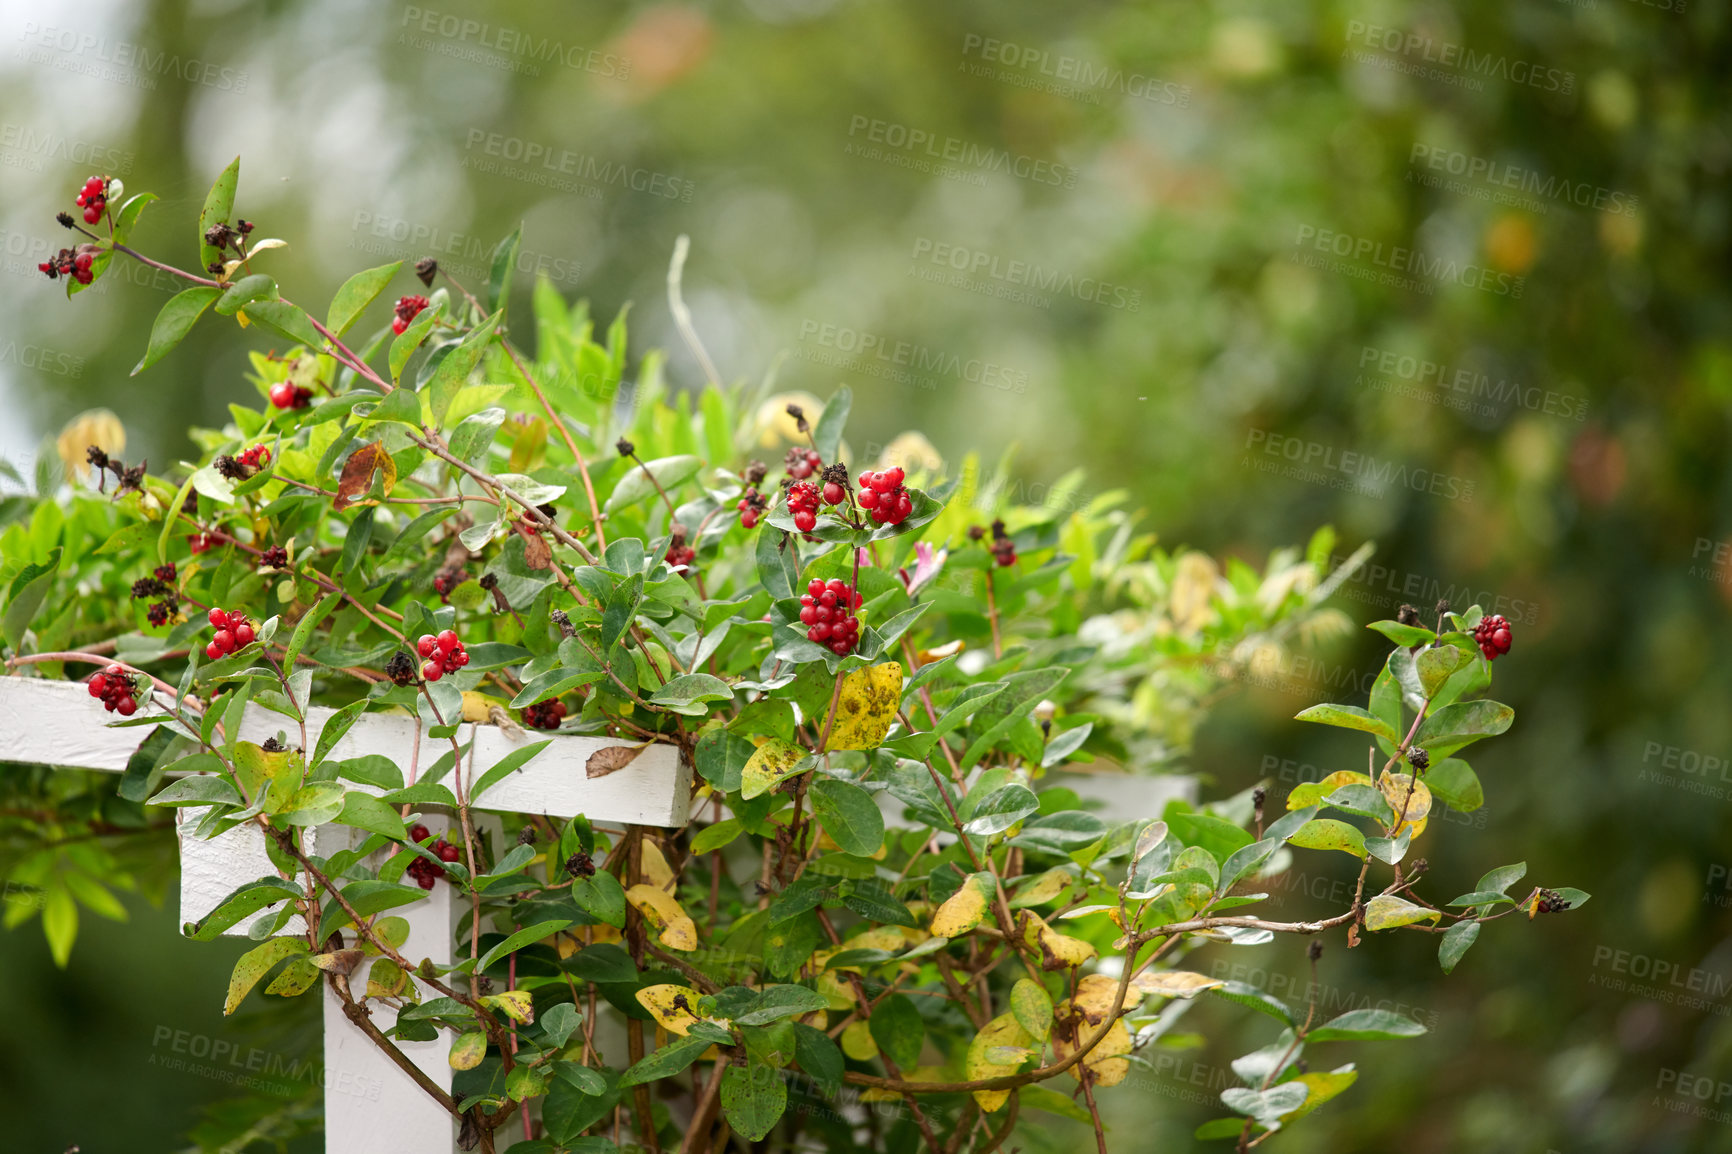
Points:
(423, 871)
(680, 557)
(1003, 548)
(803, 503)
(113, 686)
(408, 308)
(233, 631)
(827, 611)
(69, 263)
(93, 198)
(544, 714)
(448, 579)
(203, 542)
(255, 458)
(287, 396)
(882, 496)
(751, 507)
(802, 463)
(1493, 635)
(442, 654)
(274, 557)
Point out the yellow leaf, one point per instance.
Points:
(655, 868)
(1323, 1086)
(1193, 588)
(675, 1007)
(664, 914)
(1106, 1061)
(857, 1041)
(768, 766)
(386, 979)
(476, 706)
(1387, 912)
(1097, 996)
(1058, 952)
(866, 707)
(1174, 983)
(834, 988)
(1044, 888)
(518, 1005)
(356, 479)
(1003, 1031)
(468, 1050)
(1395, 789)
(964, 909)
(1311, 792)
(98, 427)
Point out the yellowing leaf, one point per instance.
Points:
(964, 909)
(1396, 788)
(518, 1005)
(1323, 1086)
(477, 707)
(254, 964)
(356, 478)
(1174, 983)
(1097, 996)
(1057, 951)
(1031, 1005)
(1386, 912)
(1193, 588)
(834, 988)
(385, 979)
(1327, 833)
(866, 707)
(857, 1041)
(663, 913)
(769, 764)
(1044, 888)
(675, 1007)
(1311, 792)
(1002, 1031)
(468, 1050)
(654, 866)
(1106, 1061)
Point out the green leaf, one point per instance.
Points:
(827, 435)
(255, 964)
(1366, 1026)
(1251, 997)
(411, 339)
(1482, 898)
(1348, 717)
(172, 323)
(356, 294)
(601, 898)
(453, 372)
(219, 206)
(1437, 665)
(506, 765)
(474, 435)
(1461, 724)
(1001, 809)
(1220, 837)
(637, 484)
(304, 629)
(197, 790)
(242, 902)
(776, 1002)
(1502, 878)
(1456, 941)
(140, 776)
(127, 218)
(1408, 635)
(1453, 781)
(287, 321)
(714, 837)
(339, 724)
(244, 291)
(687, 692)
(818, 1056)
(898, 1029)
(667, 1061)
(501, 269)
(527, 936)
(849, 815)
(1326, 833)
(753, 1098)
(401, 406)
(25, 597)
(363, 811)
(1031, 1005)
(1363, 801)
(553, 683)
(315, 803)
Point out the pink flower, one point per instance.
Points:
(926, 566)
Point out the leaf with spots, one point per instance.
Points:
(866, 707)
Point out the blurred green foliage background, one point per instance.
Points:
(1090, 230)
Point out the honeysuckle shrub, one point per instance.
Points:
(424, 518)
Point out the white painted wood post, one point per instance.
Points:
(371, 1106)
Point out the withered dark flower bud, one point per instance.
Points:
(65, 219)
(580, 865)
(427, 268)
(526, 835)
(625, 447)
(96, 457)
(215, 267)
(272, 745)
(756, 471)
(229, 467)
(245, 227)
(1407, 615)
(218, 235)
(976, 532)
(1443, 607)
(1314, 950)
(401, 668)
(559, 618)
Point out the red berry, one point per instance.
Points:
(460, 658)
(833, 493)
(244, 635)
(447, 640)
(749, 519)
(224, 640)
(418, 832)
(98, 685)
(882, 483)
(425, 645)
(815, 586)
(219, 619)
(425, 881)
(213, 651)
(1493, 636)
(808, 615)
(126, 707)
(448, 852)
(868, 499)
(430, 671)
(841, 648)
(805, 521)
